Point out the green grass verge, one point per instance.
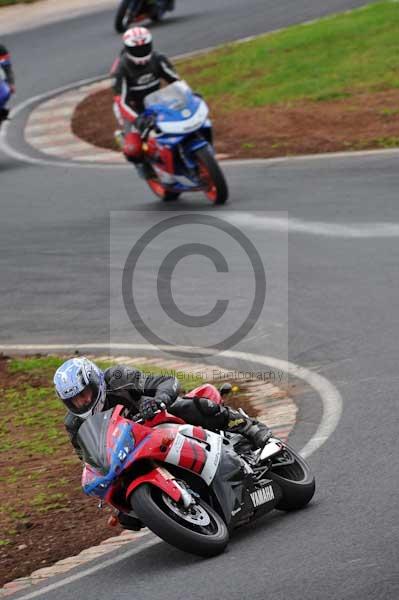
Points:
(37, 411)
(8, 2)
(331, 58)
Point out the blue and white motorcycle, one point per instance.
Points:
(177, 145)
(5, 94)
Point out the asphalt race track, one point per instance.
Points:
(339, 260)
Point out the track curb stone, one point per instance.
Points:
(272, 403)
(48, 128)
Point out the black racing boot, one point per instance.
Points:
(129, 522)
(256, 432)
(4, 112)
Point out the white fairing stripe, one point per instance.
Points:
(173, 456)
(179, 127)
(212, 455)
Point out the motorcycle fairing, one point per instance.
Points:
(183, 176)
(111, 443)
(171, 163)
(239, 495)
(197, 450)
(178, 110)
(178, 124)
(108, 446)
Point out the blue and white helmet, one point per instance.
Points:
(76, 376)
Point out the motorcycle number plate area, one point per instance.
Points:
(201, 458)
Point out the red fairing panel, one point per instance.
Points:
(199, 433)
(192, 456)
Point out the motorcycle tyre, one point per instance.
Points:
(156, 17)
(158, 189)
(148, 509)
(297, 493)
(171, 196)
(120, 15)
(220, 193)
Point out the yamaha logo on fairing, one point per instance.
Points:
(262, 496)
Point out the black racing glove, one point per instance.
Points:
(148, 407)
(144, 124)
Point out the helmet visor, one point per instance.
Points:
(84, 402)
(140, 51)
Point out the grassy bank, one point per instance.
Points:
(332, 58)
(31, 414)
(9, 2)
(328, 86)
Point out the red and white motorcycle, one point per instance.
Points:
(190, 486)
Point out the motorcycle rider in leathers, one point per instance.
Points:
(137, 72)
(5, 64)
(85, 389)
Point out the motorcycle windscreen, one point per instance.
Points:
(92, 439)
(174, 96)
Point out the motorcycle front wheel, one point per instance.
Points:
(125, 6)
(212, 176)
(199, 530)
(295, 480)
(159, 190)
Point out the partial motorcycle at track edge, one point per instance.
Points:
(130, 12)
(5, 94)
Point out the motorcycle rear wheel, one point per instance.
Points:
(202, 532)
(296, 481)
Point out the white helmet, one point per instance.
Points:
(138, 45)
(80, 385)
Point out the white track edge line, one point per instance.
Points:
(107, 563)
